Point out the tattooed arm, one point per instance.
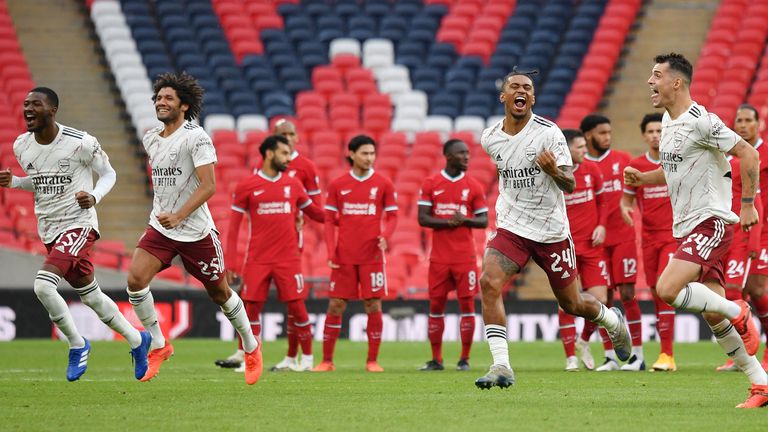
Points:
(749, 162)
(563, 176)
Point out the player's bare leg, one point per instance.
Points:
(373, 331)
(498, 270)
(675, 288)
(634, 321)
(331, 330)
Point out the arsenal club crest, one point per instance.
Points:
(173, 154)
(530, 153)
(64, 165)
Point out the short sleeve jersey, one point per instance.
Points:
(359, 204)
(174, 160)
(271, 205)
(59, 170)
(445, 196)
(612, 164)
(653, 202)
(304, 170)
(530, 204)
(583, 215)
(698, 175)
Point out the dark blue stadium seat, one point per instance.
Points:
(420, 35)
(167, 8)
(222, 59)
(179, 34)
(310, 61)
(277, 110)
(298, 21)
(273, 35)
(362, 34)
(407, 9)
(287, 10)
(478, 102)
(435, 10)
(277, 47)
(157, 61)
(185, 47)
(148, 46)
(317, 9)
(202, 21)
(362, 22)
(207, 34)
(546, 36)
(215, 46)
(425, 22)
(299, 34)
(376, 9)
(444, 103)
(296, 86)
(171, 21)
(145, 34)
(327, 35)
(330, 22)
(427, 79)
(136, 21)
(188, 60)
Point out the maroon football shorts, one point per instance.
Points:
(71, 252)
(558, 260)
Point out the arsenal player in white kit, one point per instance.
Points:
(182, 158)
(534, 166)
(59, 162)
(694, 167)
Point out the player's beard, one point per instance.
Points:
(42, 123)
(278, 166)
(600, 151)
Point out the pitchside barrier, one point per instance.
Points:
(190, 313)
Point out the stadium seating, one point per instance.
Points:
(409, 73)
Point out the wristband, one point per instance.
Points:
(746, 200)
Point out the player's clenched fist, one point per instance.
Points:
(6, 177)
(85, 200)
(168, 220)
(547, 162)
(632, 177)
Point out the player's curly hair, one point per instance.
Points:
(187, 88)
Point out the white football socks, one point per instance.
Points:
(46, 284)
(697, 297)
(607, 318)
(497, 341)
(93, 297)
(235, 311)
(144, 305)
(730, 341)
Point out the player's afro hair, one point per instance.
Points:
(187, 88)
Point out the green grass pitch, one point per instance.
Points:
(191, 394)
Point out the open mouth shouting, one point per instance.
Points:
(655, 98)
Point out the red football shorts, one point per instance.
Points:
(358, 281)
(558, 260)
(737, 262)
(203, 259)
(707, 245)
(592, 265)
(760, 264)
(656, 256)
(622, 263)
(71, 253)
(444, 278)
(287, 276)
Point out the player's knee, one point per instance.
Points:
(490, 284)
(572, 306)
(336, 306)
(43, 288)
(218, 294)
(136, 282)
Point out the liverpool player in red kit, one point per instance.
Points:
(586, 215)
(619, 239)
(658, 243)
(272, 201)
(452, 203)
(751, 259)
(358, 203)
(302, 169)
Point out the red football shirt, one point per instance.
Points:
(271, 205)
(446, 196)
(303, 170)
(653, 202)
(358, 204)
(582, 204)
(754, 234)
(612, 165)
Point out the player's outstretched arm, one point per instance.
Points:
(204, 191)
(749, 161)
(562, 175)
(633, 177)
(8, 180)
